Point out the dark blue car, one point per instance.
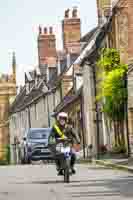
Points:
(36, 145)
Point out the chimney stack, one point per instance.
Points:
(71, 31)
(46, 50)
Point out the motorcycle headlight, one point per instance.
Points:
(59, 147)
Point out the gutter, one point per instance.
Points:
(33, 100)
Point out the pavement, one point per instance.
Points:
(125, 164)
(37, 182)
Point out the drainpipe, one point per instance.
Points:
(83, 125)
(126, 116)
(96, 110)
(29, 119)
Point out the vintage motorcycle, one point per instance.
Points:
(64, 151)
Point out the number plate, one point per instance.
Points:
(43, 150)
(66, 150)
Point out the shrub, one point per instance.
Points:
(119, 149)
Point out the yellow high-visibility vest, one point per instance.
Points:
(61, 134)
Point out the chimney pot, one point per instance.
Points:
(51, 30)
(67, 13)
(74, 12)
(45, 30)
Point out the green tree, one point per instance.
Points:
(113, 92)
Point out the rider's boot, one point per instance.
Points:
(73, 170)
(60, 172)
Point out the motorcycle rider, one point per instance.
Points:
(63, 129)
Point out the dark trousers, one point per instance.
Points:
(58, 161)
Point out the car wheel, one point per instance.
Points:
(23, 161)
(28, 161)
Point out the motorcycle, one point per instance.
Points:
(64, 151)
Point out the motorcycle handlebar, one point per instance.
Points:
(63, 140)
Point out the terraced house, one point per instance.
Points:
(69, 77)
(114, 21)
(48, 83)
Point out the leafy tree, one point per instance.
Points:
(110, 59)
(113, 91)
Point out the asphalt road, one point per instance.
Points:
(37, 182)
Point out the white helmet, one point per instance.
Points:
(62, 115)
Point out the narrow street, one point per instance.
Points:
(40, 182)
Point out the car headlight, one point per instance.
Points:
(29, 144)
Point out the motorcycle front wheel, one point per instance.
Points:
(67, 172)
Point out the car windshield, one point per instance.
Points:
(39, 134)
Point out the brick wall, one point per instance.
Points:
(71, 31)
(46, 46)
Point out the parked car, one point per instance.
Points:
(35, 145)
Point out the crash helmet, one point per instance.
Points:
(62, 115)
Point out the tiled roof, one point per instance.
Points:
(22, 99)
(87, 37)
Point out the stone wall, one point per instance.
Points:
(38, 113)
(130, 29)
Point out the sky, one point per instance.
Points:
(19, 21)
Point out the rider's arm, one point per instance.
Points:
(51, 138)
(75, 136)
